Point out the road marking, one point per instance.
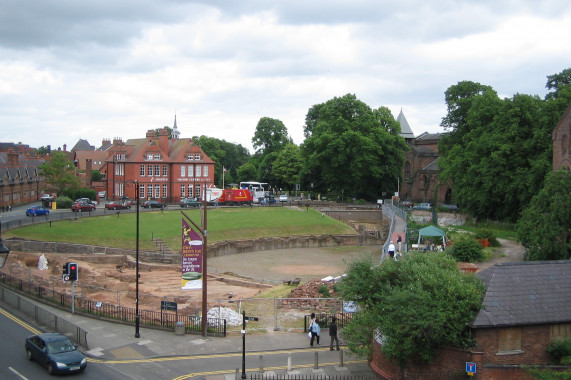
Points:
(18, 373)
(222, 372)
(20, 322)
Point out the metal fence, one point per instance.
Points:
(43, 317)
(147, 318)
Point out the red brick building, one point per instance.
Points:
(526, 307)
(167, 168)
(420, 171)
(20, 181)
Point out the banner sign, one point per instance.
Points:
(191, 258)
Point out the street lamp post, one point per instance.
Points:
(137, 318)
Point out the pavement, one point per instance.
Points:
(114, 342)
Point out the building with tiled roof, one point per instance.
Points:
(166, 168)
(20, 180)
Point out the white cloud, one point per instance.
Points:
(118, 69)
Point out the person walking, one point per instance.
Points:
(333, 334)
(313, 329)
(392, 250)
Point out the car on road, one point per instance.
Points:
(82, 206)
(154, 204)
(422, 206)
(37, 210)
(55, 352)
(283, 198)
(190, 202)
(117, 206)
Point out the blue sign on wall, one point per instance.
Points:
(470, 367)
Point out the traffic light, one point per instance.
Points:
(65, 276)
(70, 272)
(73, 271)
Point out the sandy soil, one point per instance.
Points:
(233, 276)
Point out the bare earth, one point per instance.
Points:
(237, 276)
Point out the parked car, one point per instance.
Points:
(56, 352)
(283, 198)
(450, 207)
(86, 200)
(154, 204)
(116, 206)
(190, 202)
(82, 206)
(408, 204)
(102, 194)
(48, 197)
(423, 206)
(271, 200)
(37, 210)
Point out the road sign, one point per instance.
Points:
(470, 367)
(168, 305)
(251, 318)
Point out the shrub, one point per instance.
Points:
(466, 249)
(488, 234)
(63, 202)
(324, 291)
(560, 351)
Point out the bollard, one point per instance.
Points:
(316, 363)
(237, 376)
(341, 358)
(289, 363)
(261, 364)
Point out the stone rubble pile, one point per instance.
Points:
(232, 318)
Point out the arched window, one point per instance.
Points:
(407, 170)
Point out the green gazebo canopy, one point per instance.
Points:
(431, 231)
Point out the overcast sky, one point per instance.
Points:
(72, 69)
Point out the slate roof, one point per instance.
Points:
(405, 130)
(526, 293)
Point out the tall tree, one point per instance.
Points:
(350, 147)
(287, 167)
(270, 136)
(556, 82)
(226, 155)
(408, 307)
(59, 171)
(545, 226)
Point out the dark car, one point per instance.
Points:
(82, 206)
(423, 206)
(408, 204)
(190, 202)
(154, 204)
(56, 352)
(117, 206)
(37, 210)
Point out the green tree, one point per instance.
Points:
(287, 166)
(556, 82)
(247, 172)
(96, 175)
(270, 136)
(225, 155)
(502, 157)
(414, 305)
(545, 225)
(350, 147)
(59, 171)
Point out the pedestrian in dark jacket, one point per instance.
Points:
(333, 334)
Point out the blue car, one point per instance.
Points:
(37, 210)
(56, 352)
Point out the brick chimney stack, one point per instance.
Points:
(12, 158)
(164, 140)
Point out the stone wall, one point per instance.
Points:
(214, 250)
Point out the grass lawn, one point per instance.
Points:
(223, 224)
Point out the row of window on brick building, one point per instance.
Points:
(150, 170)
(162, 191)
